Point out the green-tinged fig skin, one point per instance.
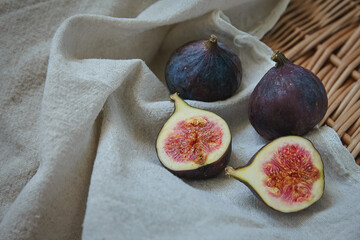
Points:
(258, 195)
(207, 171)
(204, 71)
(288, 100)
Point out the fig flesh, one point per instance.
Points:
(193, 143)
(288, 100)
(204, 70)
(286, 174)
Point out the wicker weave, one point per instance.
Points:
(324, 36)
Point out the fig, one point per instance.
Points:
(204, 70)
(287, 174)
(193, 143)
(288, 100)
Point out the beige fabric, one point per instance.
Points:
(78, 156)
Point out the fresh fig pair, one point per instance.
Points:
(288, 100)
(287, 174)
(195, 143)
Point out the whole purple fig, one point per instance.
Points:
(288, 100)
(204, 70)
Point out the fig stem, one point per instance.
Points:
(228, 171)
(239, 173)
(213, 38)
(179, 103)
(280, 59)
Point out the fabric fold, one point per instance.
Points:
(104, 102)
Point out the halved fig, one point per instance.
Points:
(193, 143)
(287, 174)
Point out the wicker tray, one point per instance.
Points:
(324, 36)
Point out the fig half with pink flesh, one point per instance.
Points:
(287, 174)
(193, 143)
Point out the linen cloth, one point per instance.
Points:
(82, 100)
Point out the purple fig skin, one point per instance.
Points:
(288, 100)
(259, 196)
(204, 70)
(207, 171)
